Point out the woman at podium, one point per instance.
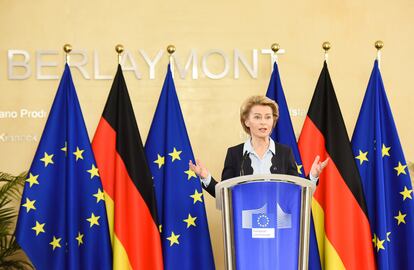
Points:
(259, 154)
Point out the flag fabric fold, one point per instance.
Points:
(127, 183)
(339, 208)
(183, 224)
(284, 133)
(385, 178)
(62, 222)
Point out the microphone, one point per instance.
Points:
(273, 168)
(245, 156)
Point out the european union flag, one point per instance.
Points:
(62, 221)
(385, 178)
(283, 133)
(182, 217)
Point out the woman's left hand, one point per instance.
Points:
(317, 166)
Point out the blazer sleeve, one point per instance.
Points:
(292, 169)
(229, 168)
(228, 172)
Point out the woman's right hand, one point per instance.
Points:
(199, 169)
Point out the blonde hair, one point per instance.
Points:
(257, 100)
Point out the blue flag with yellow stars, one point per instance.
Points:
(385, 178)
(181, 212)
(62, 222)
(283, 133)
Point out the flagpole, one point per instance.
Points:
(326, 46)
(379, 45)
(119, 50)
(67, 48)
(171, 51)
(275, 48)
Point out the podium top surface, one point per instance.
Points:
(280, 178)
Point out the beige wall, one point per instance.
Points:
(210, 107)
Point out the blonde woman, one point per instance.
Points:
(259, 154)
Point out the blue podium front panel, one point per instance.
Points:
(266, 219)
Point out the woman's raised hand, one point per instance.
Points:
(318, 166)
(199, 169)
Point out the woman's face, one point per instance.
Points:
(260, 121)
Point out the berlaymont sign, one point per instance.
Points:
(25, 64)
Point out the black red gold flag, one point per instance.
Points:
(127, 183)
(339, 209)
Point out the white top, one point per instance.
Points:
(259, 165)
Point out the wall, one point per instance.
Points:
(210, 107)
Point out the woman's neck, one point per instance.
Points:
(260, 145)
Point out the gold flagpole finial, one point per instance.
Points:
(379, 45)
(326, 46)
(119, 50)
(67, 48)
(171, 51)
(275, 48)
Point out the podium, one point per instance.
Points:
(266, 221)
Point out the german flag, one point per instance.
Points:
(127, 183)
(339, 209)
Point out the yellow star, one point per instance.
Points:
(400, 168)
(190, 174)
(47, 159)
(197, 196)
(175, 154)
(388, 237)
(160, 228)
(380, 244)
(173, 239)
(299, 168)
(32, 179)
(400, 217)
(79, 239)
(190, 221)
(65, 148)
(29, 205)
(385, 150)
(374, 240)
(406, 193)
(93, 220)
(362, 157)
(55, 242)
(93, 171)
(39, 228)
(100, 196)
(160, 161)
(78, 153)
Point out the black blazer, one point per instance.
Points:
(237, 164)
